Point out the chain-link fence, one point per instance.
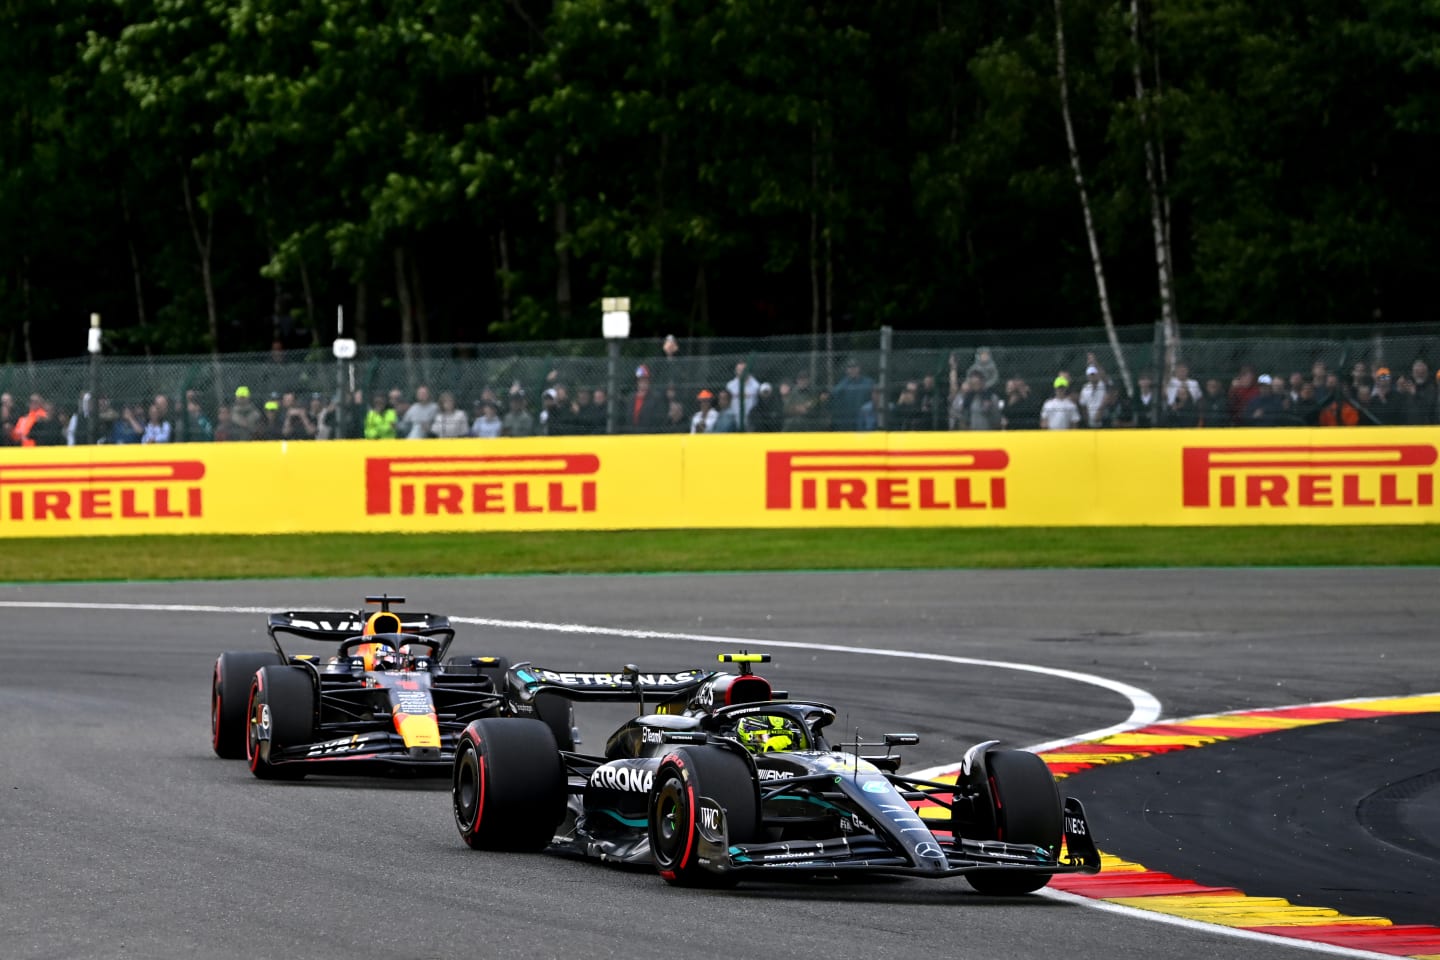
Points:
(896, 380)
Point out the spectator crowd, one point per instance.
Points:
(974, 396)
(1317, 397)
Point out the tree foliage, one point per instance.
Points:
(222, 173)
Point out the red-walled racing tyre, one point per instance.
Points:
(508, 787)
(229, 696)
(686, 775)
(281, 713)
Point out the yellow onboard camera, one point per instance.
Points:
(744, 659)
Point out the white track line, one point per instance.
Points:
(1203, 927)
(143, 607)
(1144, 709)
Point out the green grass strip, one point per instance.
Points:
(683, 551)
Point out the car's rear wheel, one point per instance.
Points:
(229, 694)
(281, 714)
(685, 776)
(1026, 805)
(508, 786)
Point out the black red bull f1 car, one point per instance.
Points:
(387, 699)
(721, 777)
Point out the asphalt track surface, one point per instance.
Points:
(122, 835)
(1329, 818)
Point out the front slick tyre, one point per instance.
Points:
(1027, 809)
(508, 786)
(684, 777)
(281, 714)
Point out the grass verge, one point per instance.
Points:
(677, 551)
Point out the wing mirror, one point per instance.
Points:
(901, 739)
(632, 672)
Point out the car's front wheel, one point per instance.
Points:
(1026, 806)
(281, 713)
(685, 776)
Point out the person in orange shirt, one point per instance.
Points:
(25, 424)
(1339, 410)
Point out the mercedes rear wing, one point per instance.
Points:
(528, 680)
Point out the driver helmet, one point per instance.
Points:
(768, 733)
(376, 653)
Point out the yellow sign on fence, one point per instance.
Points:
(1076, 478)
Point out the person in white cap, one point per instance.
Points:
(546, 416)
(645, 408)
(1092, 396)
(1271, 406)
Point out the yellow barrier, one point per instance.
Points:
(1077, 478)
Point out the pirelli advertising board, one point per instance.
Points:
(1078, 478)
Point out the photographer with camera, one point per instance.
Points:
(298, 424)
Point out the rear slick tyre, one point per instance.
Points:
(229, 696)
(686, 775)
(1027, 809)
(508, 787)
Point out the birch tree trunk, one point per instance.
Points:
(1168, 324)
(1075, 166)
(1165, 184)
